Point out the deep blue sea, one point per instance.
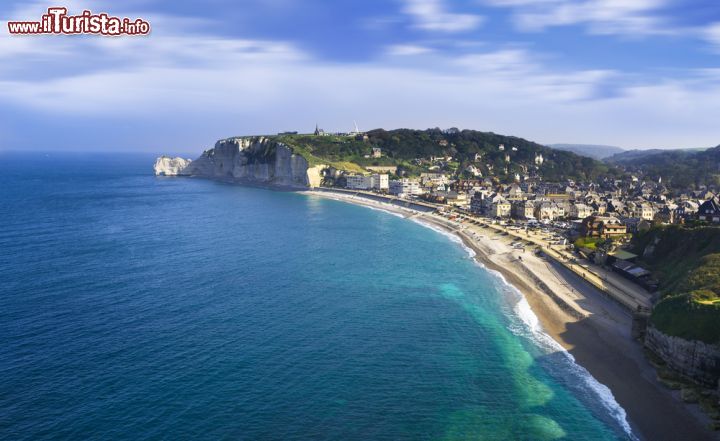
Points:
(134, 307)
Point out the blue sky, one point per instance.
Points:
(633, 73)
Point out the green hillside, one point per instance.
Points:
(679, 169)
(687, 264)
(404, 147)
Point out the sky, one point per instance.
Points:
(631, 73)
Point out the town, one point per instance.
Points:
(587, 226)
(609, 209)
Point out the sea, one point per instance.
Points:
(136, 307)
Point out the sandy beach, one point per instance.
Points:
(594, 329)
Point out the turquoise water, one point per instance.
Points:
(134, 307)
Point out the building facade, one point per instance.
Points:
(368, 182)
(709, 211)
(405, 187)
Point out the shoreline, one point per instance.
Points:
(592, 328)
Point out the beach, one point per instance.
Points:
(591, 327)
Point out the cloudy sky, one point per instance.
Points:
(633, 73)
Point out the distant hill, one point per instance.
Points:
(408, 149)
(679, 169)
(630, 156)
(589, 150)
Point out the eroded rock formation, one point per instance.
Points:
(247, 159)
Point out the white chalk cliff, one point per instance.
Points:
(166, 166)
(247, 159)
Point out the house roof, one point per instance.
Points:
(710, 206)
(623, 255)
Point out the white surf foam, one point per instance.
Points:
(364, 202)
(452, 236)
(385, 210)
(533, 330)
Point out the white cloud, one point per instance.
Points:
(490, 91)
(520, 2)
(507, 61)
(712, 34)
(402, 50)
(199, 86)
(629, 17)
(544, 106)
(432, 15)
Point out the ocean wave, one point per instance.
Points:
(452, 236)
(385, 210)
(364, 202)
(532, 329)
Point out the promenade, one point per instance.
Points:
(627, 293)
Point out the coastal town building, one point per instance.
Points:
(549, 211)
(358, 182)
(501, 207)
(381, 181)
(434, 180)
(602, 226)
(367, 182)
(473, 170)
(477, 202)
(320, 132)
(453, 198)
(523, 209)
(709, 211)
(580, 211)
(515, 193)
(640, 210)
(405, 187)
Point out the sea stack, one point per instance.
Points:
(167, 166)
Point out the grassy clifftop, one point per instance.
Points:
(403, 146)
(687, 264)
(307, 146)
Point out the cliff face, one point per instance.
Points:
(694, 359)
(252, 160)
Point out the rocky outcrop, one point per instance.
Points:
(315, 175)
(693, 359)
(167, 166)
(254, 160)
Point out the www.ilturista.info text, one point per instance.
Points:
(56, 21)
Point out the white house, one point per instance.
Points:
(363, 182)
(405, 187)
(580, 211)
